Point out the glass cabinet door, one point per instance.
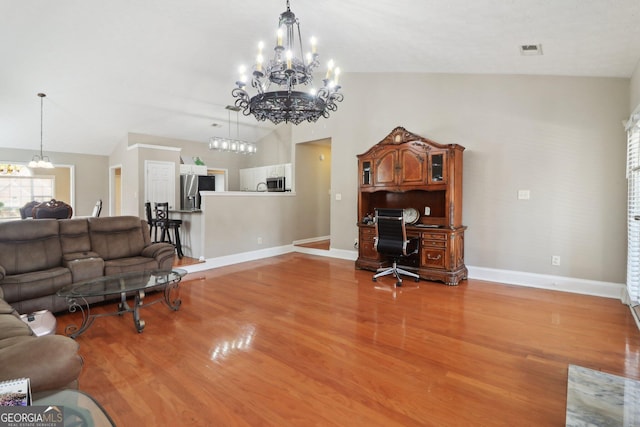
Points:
(437, 168)
(366, 173)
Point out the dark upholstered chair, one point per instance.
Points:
(52, 209)
(167, 226)
(391, 240)
(97, 209)
(26, 212)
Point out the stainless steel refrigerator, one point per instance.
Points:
(190, 187)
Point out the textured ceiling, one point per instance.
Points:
(167, 67)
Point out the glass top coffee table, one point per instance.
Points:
(79, 409)
(125, 284)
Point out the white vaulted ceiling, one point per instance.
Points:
(167, 67)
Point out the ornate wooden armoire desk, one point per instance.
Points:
(405, 171)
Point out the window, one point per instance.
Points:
(633, 209)
(16, 191)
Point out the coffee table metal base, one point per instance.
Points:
(78, 303)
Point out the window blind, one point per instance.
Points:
(633, 211)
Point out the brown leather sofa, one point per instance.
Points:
(51, 361)
(37, 258)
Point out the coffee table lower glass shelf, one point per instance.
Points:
(79, 409)
(125, 284)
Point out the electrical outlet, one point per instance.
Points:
(524, 194)
(555, 260)
(427, 210)
(259, 240)
(355, 243)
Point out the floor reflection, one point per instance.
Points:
(223, 349)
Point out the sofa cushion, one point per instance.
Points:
(74, 235)
(125, 265)
(25, 247)
(86, 269)
(12, 326)
(26, 286)
(53, 303)
(5, 308)
(116, 237)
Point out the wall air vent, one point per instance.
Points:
(531, 49)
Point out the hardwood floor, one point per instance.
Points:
(305, 340)
(321, 244)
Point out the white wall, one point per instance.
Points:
(635, 89)
(559, 137)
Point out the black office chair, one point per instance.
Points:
(167, 225)
(391, 240)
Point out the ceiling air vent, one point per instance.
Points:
(531, 49)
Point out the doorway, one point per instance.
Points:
(313, 189)
(115, 190)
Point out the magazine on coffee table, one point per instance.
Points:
(15, 392)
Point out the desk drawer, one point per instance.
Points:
(430, 235)
(433, 258)
(434, 243)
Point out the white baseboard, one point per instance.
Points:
(238, 258)
(545, 281)
(520, 278)
(311, 240)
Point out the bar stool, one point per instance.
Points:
(153, 225)
(167, 225)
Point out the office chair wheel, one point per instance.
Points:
(398, 283)
(374, 279)
(417, 279)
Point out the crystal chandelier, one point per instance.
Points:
(229, 144)
(286, 70)
(40, 161)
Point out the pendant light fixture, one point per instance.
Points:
(230, 144)
(41, 161)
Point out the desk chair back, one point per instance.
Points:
(391, 234)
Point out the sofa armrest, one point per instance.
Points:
(162, 252)
(3, 273)
(156, 249)
(51, 361)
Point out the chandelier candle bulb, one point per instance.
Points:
(279, 37)
(289, 59)
(337, 74)
(314, 47)
(329, 69)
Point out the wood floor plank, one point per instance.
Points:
(304, 340)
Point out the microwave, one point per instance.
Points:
(275, 184)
